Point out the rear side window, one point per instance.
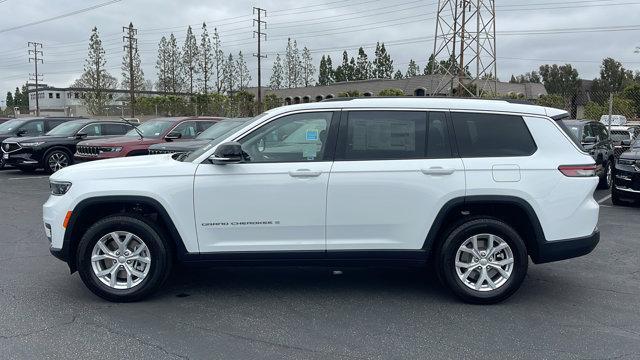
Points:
(492, 135)
(115, 129)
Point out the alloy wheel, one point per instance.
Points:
(484, 262)
(120, 260)
(57, 161)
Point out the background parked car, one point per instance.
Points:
(31, 126)
(4, 119)
(55, 149)
(595, 139)
(216, 131)
(138, 140)
(623, 135)
(626, 180)
(615, 119)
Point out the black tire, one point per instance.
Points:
(446, 258)
(615, 199)
(607, 178)
(56, 153)
(159, 252)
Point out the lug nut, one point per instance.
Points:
(117, 252)
(129, 262)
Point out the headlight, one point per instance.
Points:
(59, 187)
(31, 144)
(111, 149)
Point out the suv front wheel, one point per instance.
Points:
(122, 258)
(483, 261)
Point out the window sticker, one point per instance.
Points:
(312, 135)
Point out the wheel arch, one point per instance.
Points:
(54, 148)
(514, 210)
(92, 209)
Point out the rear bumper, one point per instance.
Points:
(549, 251)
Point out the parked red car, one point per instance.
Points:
(137, 141)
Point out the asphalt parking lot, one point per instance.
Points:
(585, 308)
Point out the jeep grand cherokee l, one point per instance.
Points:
(55, 149)
(626, 179)
(475, 186)
(138, 140)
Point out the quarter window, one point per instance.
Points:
(492, 135)
(292, 138)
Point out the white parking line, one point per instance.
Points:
(604, 199)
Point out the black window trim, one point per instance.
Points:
(340, 149)
(521, 116)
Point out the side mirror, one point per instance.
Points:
(228, 153)
(589, 140)
(21, 132)
(173, 136)
(626, 142)
(80, 136)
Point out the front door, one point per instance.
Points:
(393, 172)
(276, 199)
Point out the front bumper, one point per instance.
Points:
(22, 158)
(557, 250)
(626, 182)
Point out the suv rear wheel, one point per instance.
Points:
(122, 259)
(483, 261)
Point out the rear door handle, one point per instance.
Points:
(438, 171)
(304, 173)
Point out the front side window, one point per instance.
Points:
(33, 128)
(115, 129)
(187, 129)
(152, 128)
(92, 130)
(492, 135)
(292, 138)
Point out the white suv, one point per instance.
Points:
(472, 186)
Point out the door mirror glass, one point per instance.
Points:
(21, 132)
(81, 135)
(227, 153)
(173, 136)
(589, 140)
(626, 142)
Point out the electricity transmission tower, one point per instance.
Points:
(131, 44)
(259, 34)
(33, 56)
(465, 47)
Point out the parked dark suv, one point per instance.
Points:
(55, 149)
(595, 139)
(29, 126)
(626, 180)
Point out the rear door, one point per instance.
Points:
(393, 172)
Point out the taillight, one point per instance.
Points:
(578, 170)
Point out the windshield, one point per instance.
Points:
(10, 126)
(196, 153)
(65, 129)
(152, 128)
(220, 128)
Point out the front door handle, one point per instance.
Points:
(437, 171)
(304, 173)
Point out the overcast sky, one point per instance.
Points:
(317, 24)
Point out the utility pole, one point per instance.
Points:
(33, 56)
(130, 41)
(259, 34)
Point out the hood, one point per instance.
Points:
(632, 154)
(181, 145)
(43, 138)
(126, 168)
(121, 140)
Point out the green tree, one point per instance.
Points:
(554, 101)
(242, 71)
(190, 55)
(413, 69)
(292, 65)
(277, 73)
(382, 64)
(218, 60)
(398, 75)
(173, 62)
(632, 93)
(561, 80)
(363, 66)
(350, 93)
(391, 92)
(230, 75)
(323, 78)
(432, 66)
(346, 71)
(205, 61)
(621, 106)
(161, 66)
(96, 77)
(9, 100)
(613, 76)
(308, 69)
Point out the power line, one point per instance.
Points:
(60, 16)
(259, 34)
